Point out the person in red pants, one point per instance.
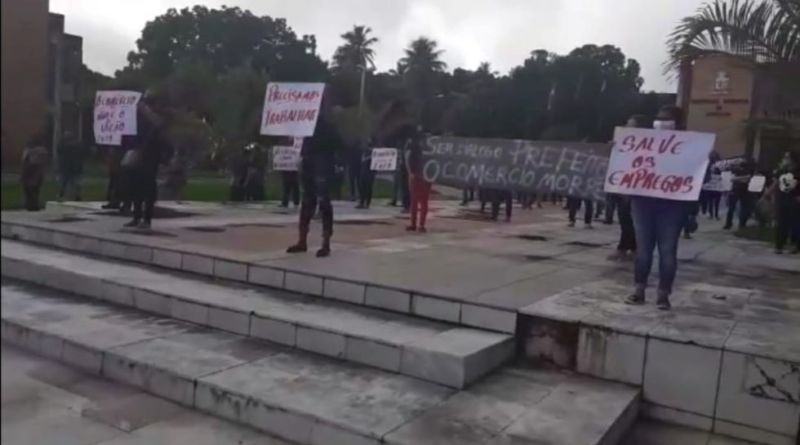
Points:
(420, 188)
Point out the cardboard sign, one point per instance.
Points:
(757, 183)
(384, 159)
(567, 168)
(286, 158)
(291, 109)
(658, 163)
(115, 115)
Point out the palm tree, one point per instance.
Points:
(357, 50)
(762, 31)
(420, 67)
(422, 56)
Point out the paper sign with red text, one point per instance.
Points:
(658, 163)
(291, 109)
(114, 115)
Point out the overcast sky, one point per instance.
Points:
(501, 32)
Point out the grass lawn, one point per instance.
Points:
(199, 188)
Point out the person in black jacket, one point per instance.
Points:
(739, 196)
(152, 150)
(317, 175)
(366, 179)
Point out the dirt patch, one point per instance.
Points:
(362, 222)
(66, 219)
(158, 213)
(586, 244)
(207, 229)
(531, 237)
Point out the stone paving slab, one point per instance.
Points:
(433, 351)
(310, 399)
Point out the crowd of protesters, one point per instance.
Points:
(326, 164)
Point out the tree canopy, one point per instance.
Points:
(215, 63)
(758, 30)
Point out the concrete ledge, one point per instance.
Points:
(683, 382)
(361, 293)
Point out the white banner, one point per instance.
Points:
(658, 163)
(291, 109)
(115, 115)
(384, 159)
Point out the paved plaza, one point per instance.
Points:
(449, 308)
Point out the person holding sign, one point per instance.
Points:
(144, 159)
(663, 170)
(317, 175)
(739, 195)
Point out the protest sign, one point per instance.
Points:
(384, 159)
(568, 168)
(291, 109)
(714, 183)
(286, 158)
(114, 115)
(756, 184)
(727, 181)
(658, 163)
(728, 164)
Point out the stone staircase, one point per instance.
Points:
(307, 369)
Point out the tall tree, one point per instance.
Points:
(423, 56)
(422, 67)
(224, 38)
(759, 30)
(357, 51)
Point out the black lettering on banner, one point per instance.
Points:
(572, 168)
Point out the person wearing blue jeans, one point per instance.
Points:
(658, 223)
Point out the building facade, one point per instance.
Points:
(24, 74)
(753, 109)
(41, 72)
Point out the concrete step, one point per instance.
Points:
(309, 398)
(336, 280)
(433, 351)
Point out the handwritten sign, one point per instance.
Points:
(568, 168)
(714, 183)
(286, 158)
(114, 115)
(757, 183)
(384, 159)
(291, 109)
(727, 181)
(658, 163)
(724, 165)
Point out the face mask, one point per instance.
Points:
(664, 125)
